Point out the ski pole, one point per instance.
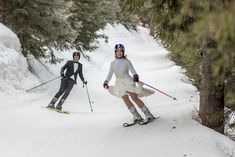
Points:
(88, 97)
(158, 90)
(43, 83)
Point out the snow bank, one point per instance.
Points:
(14, 75)
(9, 39)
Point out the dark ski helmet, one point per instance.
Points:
(119, 46)
(76, 54)
(122, 48)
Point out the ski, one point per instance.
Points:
(129, 124)
(148, 121)
(59, 111)
(144, 122)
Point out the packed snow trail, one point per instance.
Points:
(27, 130)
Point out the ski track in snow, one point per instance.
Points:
(27, 130)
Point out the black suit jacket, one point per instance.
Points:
(69, 66)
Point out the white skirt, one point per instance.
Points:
(124, 86)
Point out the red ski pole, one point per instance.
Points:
(158, 90)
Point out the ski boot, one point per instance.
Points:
(148, 114)
(137, 117)
(52, 103)
(59, 105)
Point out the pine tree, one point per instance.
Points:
(38, 25)
(89, 16)
(84, 17)
(45, 25)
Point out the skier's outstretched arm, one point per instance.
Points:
(131, 68)
(135, 75)
(81, 75)
(108, 78)
(110, 74)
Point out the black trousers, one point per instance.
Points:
(65, 88)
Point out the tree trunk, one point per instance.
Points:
(151, 26)
(211, 97)
(1, 11)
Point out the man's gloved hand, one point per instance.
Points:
(105, 84)
(62, 74)
(136, 78)
(84, 82)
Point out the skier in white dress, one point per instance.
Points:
(125, 86)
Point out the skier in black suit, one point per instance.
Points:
(69, 78)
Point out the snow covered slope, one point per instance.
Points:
(29, 130)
